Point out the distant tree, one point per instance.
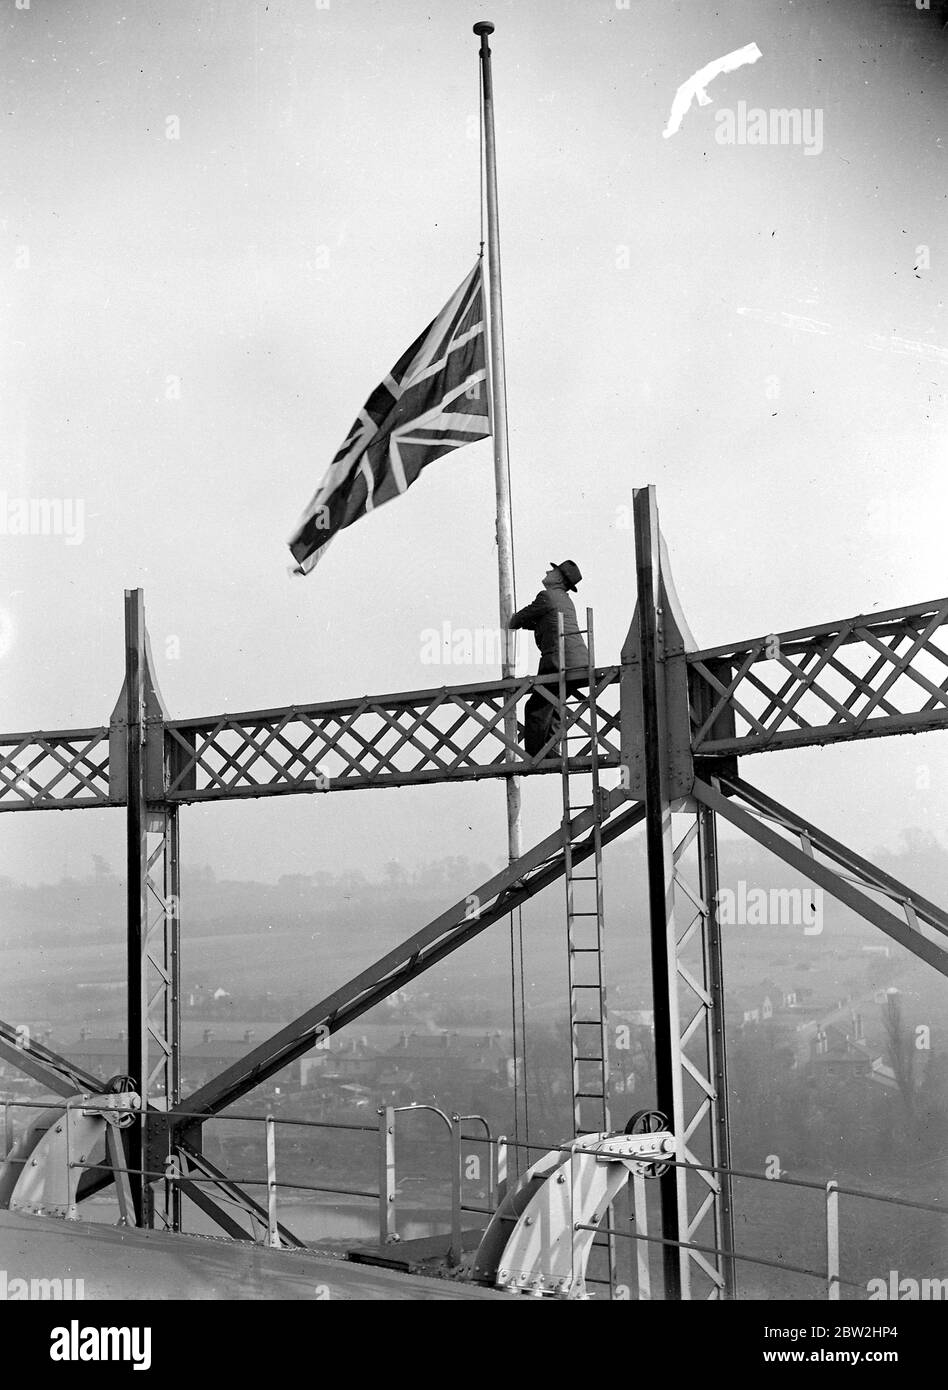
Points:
(901, 1050)
(547, 1076)
(301, 885)
(394, 874)
(931, 1107)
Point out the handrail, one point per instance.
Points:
(385, 1195)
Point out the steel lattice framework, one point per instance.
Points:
(453, 733)
(670, 719)
(448, 734)
(58, 771)
(699, 1080)
(862, 678)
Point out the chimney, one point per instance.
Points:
(249, 1036)
(208, 1035)
(82, 1035)
(122, 1035)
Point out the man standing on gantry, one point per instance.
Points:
(540, 617)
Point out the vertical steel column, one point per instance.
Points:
(717, 1046)
(153, 891)
(832, 1241)
(661, 868)
(640, 1223)
(455, 1252)
(135, 882)
(386, 1173)
(162, 979)
(687, 973)
(174, 1089)
(273, 1228)
(500, 1169)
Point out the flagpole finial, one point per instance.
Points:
(483, 26)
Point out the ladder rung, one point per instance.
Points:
(590, 1022)
(590, 1095)
(583, 878)
(584, 914)
(589, 1059)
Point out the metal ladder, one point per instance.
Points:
(588, 1030)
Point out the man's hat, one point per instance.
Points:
(570, 572)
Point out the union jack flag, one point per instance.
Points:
(433, 400)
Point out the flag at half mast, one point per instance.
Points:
(433, 400)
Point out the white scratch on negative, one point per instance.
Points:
(877, 342)
(785, 320)
(696, 85)
(910, 347)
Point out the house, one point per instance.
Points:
(837, 1054)
(884, 1075)
(754, 1005)
(108, 1057)
(339, 1058)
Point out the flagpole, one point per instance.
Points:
(505, 568)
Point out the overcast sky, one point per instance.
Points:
(190, 324)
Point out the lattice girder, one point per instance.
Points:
(454, 733)
(54, 771)
(861, 678)
(864, 677)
